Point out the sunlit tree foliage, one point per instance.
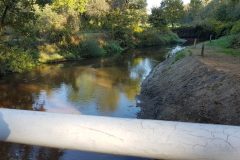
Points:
(15, 12)
(76, 5)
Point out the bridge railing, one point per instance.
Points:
(132, 137)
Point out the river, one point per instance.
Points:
(102, 87)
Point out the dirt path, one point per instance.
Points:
(219, 61)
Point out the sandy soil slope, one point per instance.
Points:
(194, 89)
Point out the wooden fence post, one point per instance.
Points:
(195, 42)
(203, 48)
(210, 38)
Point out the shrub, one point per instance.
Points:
(180, 55)
(113, 48)
(218, 27)
(90, 49)
(49, 53)
(125, 36)
(236, 28)
(15, 60)
(153, 37)
(235, 43)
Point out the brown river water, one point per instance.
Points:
(102, 87)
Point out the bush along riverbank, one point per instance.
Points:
(192, 88)
(18, 58)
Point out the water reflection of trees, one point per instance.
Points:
(23, 152)
(103, 86)
(84, 84)
(18, 90)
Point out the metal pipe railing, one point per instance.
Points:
(133, 137)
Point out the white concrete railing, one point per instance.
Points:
(133, 137)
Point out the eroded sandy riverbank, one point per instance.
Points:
(193, 89)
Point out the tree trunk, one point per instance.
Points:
(3, 17)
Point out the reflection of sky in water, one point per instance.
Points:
(141, 70)
(96, 95)
(104, 91)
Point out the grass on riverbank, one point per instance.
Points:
(229, 45)
(182, 54)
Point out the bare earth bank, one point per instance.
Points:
(193, 89)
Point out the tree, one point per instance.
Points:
(221, 10)
(173, 10)
(43, 2)
(128, 4)
(17, 10)
(195, 6)
(137, 4)
(97, 8)
(157, 18)
(95, 15)
(169, 12)
(124, 21)
(193, 10)
(76, 5)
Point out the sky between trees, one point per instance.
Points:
(156, 3)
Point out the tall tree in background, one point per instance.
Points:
(128, 4)
(157, 18)
(43, 2)
(95, 15)
(194, 8)
(14, 11)
(169, 12)
(126, 18)
(76, 5)
(97, 8)
(137, 4)
(173, 10)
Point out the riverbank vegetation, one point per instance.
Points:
(229, 45)
(211, 17)
(215, 21)
(42, 31)
(200, 18)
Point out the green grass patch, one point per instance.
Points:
(223, 42)
(182, 54)
(227, 45)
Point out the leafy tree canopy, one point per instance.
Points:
(157, 18)
(76, 5)
(15, 11)
(169, 12)
(97, 8)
